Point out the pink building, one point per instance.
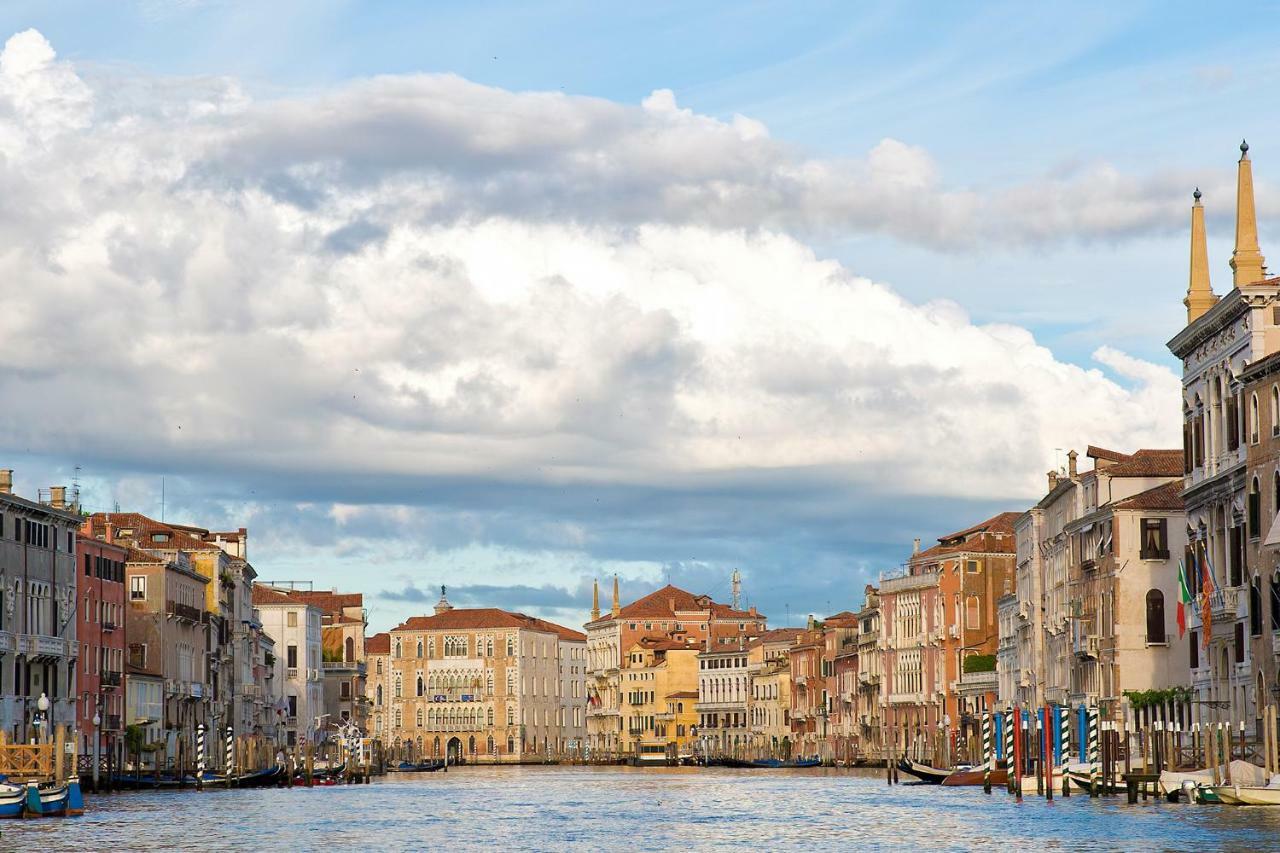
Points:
(100, 630)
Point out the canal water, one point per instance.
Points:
(585, 808)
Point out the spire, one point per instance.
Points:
(1246, 261)
(616, 606)
(1200, 296)
(595, 599)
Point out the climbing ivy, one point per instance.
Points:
(1141, 699)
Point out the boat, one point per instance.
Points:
(1226, 794)
(776, 763)
(1241, 773)
(1259, 795)
(415, 767)
(975, 776)
(13, 800)
(926, 773)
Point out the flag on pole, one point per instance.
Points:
(1206, 591)
(1184, 598)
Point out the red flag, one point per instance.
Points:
(1206, 590)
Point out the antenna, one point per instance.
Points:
(75, 488)
(737, 589)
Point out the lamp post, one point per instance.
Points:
(41, 718)
(97, 746)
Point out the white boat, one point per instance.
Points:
(1242, 773)
(1226, 794)
(1259, 795)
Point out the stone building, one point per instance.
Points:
(486, 685)
(668, 613)
(868, 703)
(723, 692)
(296, 629)
(101, 631)
(840, 665)
(1223, 338)
(769, 700)
(377, 650)
(809, 730)
(38, 630)
(168, 665)
(940, 610)
(660, 690)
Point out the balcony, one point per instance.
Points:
(109, 678)
(184, 611)
(291, 672)
(40, 646)
(108, 626)
(1224, 604)
(111, 723)
(6, 642)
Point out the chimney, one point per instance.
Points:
(58, 497)
(6, 481)
(915, 546)
(1053, 480)
(1071, 463)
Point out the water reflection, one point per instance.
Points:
(548, 808)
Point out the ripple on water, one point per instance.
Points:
(576, 808)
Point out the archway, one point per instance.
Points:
(455, 750)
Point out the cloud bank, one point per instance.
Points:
(563, 324)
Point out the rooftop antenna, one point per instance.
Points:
(788, 607)
(75, 488)
(737, 589)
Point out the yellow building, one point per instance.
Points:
(659, 689)
(769, 699)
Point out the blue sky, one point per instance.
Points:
(1007, 176)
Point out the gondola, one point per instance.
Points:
(976, 776)
(926, 773)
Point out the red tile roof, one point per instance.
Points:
(267, 595)
(331, 603)
(1167, 496)
(143, 528)
(378, 644)
(1001, 523)
(1148, 463)
(1102, 453)
(682, 694)
(664, 604)
(485, 617)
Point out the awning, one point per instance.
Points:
(1273, 535)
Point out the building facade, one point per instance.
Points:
(486, 685)
(39, 645)
(101, 631)
(669, 613)
(295, 628)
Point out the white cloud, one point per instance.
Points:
(421, 276)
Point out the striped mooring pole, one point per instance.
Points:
(231, 751)
(1008, 748)
(986, 752)
(200, 757)
(1064, 746)
(1093, 752)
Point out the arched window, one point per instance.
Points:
(351, 650)
(1275, 483)
(378, 695)
(419, 647)
(398, 650)
(488, 683)
(379, 666)
(397, 687)
(1155, 616)
(1253, 419)
(1255, 509)
(419, 718)
(435, 747)
(489, 717)
(511, 745)
(1275, 410)
(421, 688)
(1255, 608)
(489, 744)
(471, 744)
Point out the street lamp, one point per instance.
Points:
(41, 718)
(97, 746)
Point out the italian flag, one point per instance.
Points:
(1184, 599)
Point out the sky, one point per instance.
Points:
(510, 297)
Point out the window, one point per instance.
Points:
(291, 619)
(137, 588)
(1255, 608)
(88, 565)
(1275, 410)
(1255, 510)
(345, 692)
(291, 656)
(1239, 644)
(1194, 638)
(971, 566)
(1233, 423)
(1235, 560)
(1253, 419)
(377, 693)
(1155, 539)
(349, 649)
(1155, 617)
(138, 655)
(293, 706)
